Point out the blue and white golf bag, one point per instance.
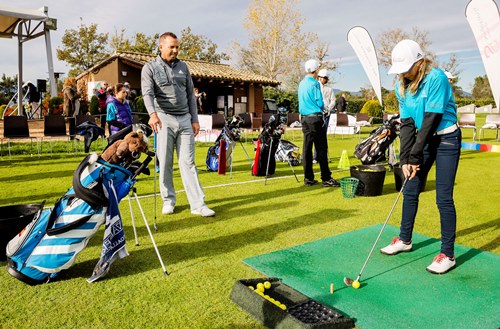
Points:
(52, 241)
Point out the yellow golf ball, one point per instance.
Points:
(267, 284)
(356, 284)
(260, 287)
(251, 288)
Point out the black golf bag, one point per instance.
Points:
(55, 237)
(288, 152)
(231, 133)
(265, 149)
(373, 148)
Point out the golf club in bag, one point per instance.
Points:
(264, 163)
(222, 150)
(373, 148)
(267, 145)
(349, 281)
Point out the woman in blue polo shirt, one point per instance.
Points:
(429, 134)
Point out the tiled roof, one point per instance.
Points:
(198, 69)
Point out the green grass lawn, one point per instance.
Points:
(203, 255)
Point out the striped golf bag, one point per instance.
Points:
(52, 241)
(373, 148)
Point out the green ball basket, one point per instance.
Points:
(349, 186)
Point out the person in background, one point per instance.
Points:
(70, 96)
(429, 134)
(311, 109)
(449, 76)
(328, 95)
(342, 103)
(131, 95)
(199, 100)
(328, 100)
(168, 92)
(119, 113)
(33, 99)
(110, 95)
(102, 96)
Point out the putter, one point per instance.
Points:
(154, 181)
(349, 281)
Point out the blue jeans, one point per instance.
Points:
(445, 151)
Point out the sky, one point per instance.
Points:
(222, 22)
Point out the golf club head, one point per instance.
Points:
(348, 281)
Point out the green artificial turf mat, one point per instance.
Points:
(396, 291)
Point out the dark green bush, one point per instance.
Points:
(478, 101)
(94, 105)
(139, 105)
(354, 105)
(286, 99)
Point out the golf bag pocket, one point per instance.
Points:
(212, 160)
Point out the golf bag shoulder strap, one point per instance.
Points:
(94, 197)
(68, 227)
(65, 228)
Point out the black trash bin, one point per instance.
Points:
(12, 220)
(399, 178)
(371, 179)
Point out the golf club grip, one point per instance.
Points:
(142, 166)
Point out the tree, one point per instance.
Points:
(83, 48)
(481, 88)
(388, 39)
(140, 43)
(8, 88)
(320, 51)
(197, 46)
(277, 45)
(452, 66)
(367, 92)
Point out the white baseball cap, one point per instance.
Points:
(323, 73)
(311, 65)
(404, 55)
(449, 75)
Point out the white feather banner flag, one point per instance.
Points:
(363, 46)
(484, 21)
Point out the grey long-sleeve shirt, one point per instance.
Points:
(168, 89)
